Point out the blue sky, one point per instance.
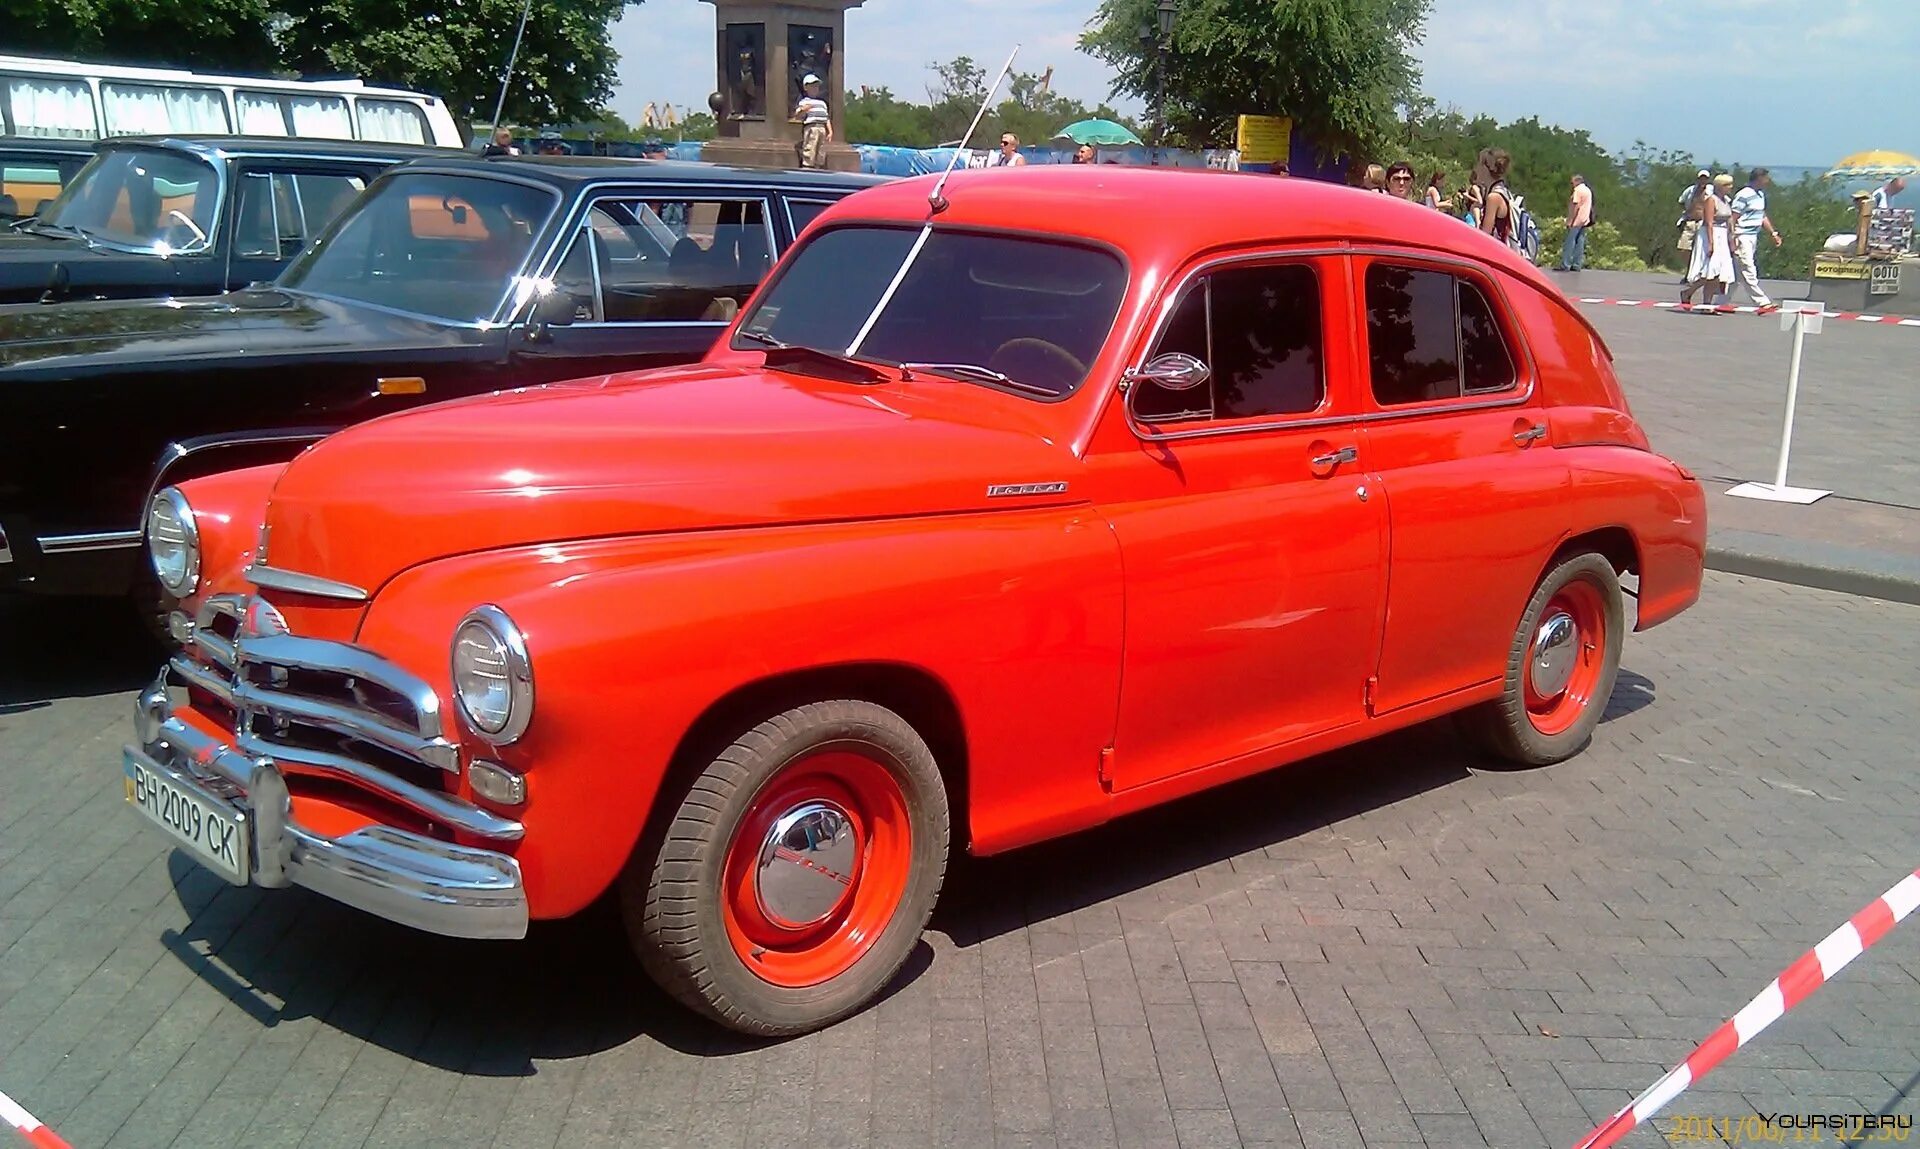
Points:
(1784, 82)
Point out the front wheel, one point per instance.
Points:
(1560, 668)
(798, 873)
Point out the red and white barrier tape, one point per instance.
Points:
(1791, 988)
(29, 1126)
(1749, 309)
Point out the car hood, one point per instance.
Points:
(683, 448)
(66, 340)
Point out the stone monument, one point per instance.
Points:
(764, 49)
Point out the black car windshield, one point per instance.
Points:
(445, 246)
(145, 199)
(1034, 310)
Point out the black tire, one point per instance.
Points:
(673, 901)
(1506, 727)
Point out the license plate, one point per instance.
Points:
(217, 839)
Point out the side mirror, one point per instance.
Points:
(1172, 371)
(554, 309)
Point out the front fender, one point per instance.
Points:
(1018, 614)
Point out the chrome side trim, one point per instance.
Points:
(273, 578)
(336, 719)
(94, 541)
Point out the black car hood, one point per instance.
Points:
(27, 259)
(255, 325)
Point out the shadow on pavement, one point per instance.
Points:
(57, 647)
(573, 988)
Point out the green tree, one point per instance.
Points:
(877, 116)
(456, 49)
(1340, 68)
(213, 35)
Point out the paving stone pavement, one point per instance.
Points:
(1389, 946)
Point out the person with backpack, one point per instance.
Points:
(1504, 215)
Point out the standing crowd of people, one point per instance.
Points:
(1487, 202)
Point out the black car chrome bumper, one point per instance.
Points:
(433, 885)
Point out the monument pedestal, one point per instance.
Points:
(744, 153)
(764, 49)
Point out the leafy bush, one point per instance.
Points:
(1606, 249)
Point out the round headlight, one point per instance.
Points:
(492, 676)
(173, 542)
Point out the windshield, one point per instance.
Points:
(1034, 310)
(152, 200)
(446, 246)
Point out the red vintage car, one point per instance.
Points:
(995, 516)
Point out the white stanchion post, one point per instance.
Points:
(1804, 317)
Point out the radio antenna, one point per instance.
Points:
(934, 199)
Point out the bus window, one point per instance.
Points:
(260, 114)
(158, 109)
(392, 121)
(49, 107)
(324, 117)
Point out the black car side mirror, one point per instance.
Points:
(554, 309)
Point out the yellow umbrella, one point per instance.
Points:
(1876, 163)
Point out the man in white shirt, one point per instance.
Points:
(816, 124)
(1749, 218)
(1883, 195)
(1009, 154)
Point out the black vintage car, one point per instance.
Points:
(33, 170)
(445, 278)
(183, 216)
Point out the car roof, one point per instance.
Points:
(210, 147)
(1161, 216)
(567, 172)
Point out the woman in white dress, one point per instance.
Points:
(1712, 263)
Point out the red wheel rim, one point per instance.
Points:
(1565, 656)
(817, 867)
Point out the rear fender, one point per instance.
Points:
(1661, 505)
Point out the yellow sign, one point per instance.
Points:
(1836, 269)
(1263, 139)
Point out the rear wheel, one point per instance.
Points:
(1560, 668)
(798, 873)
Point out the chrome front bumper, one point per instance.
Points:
(404, 877)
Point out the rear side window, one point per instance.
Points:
(1432, 336)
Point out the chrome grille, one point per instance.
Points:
(327, 709)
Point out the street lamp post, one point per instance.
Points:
(1154, 37)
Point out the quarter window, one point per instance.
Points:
(1432, 336)
(1258, 330)
(666, 261)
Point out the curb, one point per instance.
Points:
(1848, 570)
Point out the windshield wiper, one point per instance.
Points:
(780, 353)
(983, 374)
(60, 230)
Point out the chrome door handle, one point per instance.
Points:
(1333, 459)
(1528, 434)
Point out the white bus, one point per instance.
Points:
(60, 99)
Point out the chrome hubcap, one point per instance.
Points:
(1554, 647)
(806, 864)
